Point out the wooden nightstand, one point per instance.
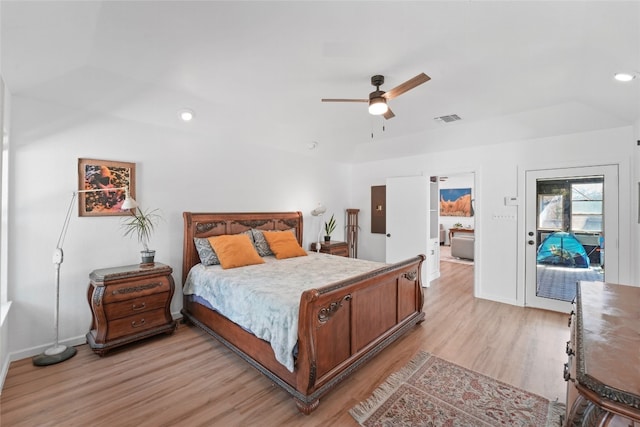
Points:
(332, 248)
(129, 303)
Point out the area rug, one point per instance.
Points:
(445, 255)
(430, 391)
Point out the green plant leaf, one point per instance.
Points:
(329, 226)
(141, 224)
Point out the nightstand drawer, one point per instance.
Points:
(136, 289)
(135, 306)
(135, 324)
(341, 251)
(332, 248)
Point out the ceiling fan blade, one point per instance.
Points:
(408, 85)
(343, 100)
(389, 114)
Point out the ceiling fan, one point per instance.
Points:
(378, 98)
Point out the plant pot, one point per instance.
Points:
(327, 238)
(147, 257)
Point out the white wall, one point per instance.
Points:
(499, 171)
(176, 172)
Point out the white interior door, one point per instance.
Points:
(407, 219)
(543, 273)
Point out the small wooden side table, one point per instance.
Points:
(129, 303)
(332, 248)
(454, 230)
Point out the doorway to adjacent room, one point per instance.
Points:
(457, 220)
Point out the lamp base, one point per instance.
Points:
(54, 355)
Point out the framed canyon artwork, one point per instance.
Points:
(455, 202)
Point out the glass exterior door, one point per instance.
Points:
(567, 232)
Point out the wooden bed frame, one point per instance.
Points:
(341, 325)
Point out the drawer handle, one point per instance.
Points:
(139, 307)
(569, 350)
(567, 373)
(135, 324)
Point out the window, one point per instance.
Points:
(587, 203)
(550, 211)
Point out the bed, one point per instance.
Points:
(340, 325)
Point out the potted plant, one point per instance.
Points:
(329, 226)
(141, 224)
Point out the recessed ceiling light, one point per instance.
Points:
(186, 115)
(624, 77)
(312, 145)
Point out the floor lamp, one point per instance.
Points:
(319, 211)
(59, 353)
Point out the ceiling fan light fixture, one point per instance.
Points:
(624, 77)
(378, 106)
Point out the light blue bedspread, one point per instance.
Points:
(265, 298)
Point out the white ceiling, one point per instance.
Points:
(254, 72)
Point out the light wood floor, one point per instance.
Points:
(189, 379)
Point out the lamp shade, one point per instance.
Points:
(378, 106)
(319, 210)
(129, 202)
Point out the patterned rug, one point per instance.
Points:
(430, 391)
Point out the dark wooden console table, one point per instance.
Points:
(603, 370)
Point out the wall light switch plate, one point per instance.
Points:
(511, 201)
(503, 216)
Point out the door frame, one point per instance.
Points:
(478, 214)
(529, 215)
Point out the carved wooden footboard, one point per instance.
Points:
(344, 325)
(340, 326)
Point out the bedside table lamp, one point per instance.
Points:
(319, 211)
(59, 353)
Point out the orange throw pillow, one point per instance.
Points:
(283, 245)
(235, 250)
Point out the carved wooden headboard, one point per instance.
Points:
(216, 224)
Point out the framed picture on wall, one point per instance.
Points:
(455, 202)
(100, 175)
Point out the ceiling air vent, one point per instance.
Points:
(448, 119)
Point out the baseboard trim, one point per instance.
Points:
(501, 300)
(30, 352)
(4, 372)
(70, 342)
